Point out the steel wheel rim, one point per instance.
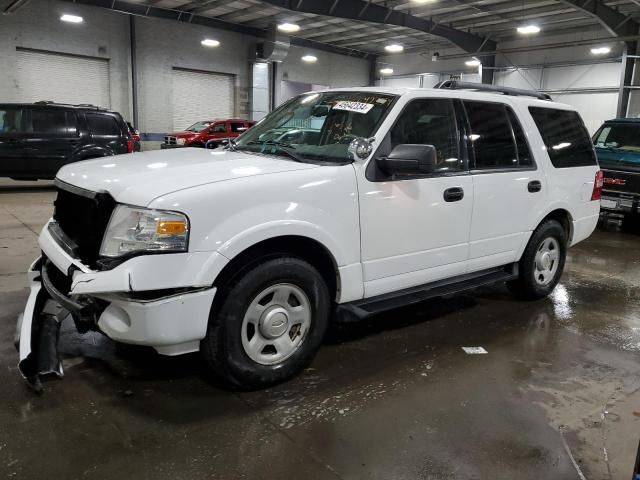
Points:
(546, 261)
(276, 323)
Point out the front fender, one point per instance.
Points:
(230, 216)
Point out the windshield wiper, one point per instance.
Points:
(281, 146)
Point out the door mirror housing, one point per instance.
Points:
(409, 159)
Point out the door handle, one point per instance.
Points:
(454, 194)
(534, 186)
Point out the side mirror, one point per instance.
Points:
(409, 159)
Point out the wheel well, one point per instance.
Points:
(305, 248)
(565, 219)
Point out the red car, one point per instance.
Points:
(134, 139)
(201, 132)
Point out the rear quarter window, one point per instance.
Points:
(103, 125)
(565, 137)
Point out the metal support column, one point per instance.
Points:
(488, 67)
(134, 69)
(626, 77)
(372, 71)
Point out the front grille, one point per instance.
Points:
(83, 216)
(169, 140)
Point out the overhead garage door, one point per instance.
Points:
(62, 78)
(200, 96)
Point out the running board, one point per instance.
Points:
(361, 309)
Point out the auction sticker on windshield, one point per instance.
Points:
(357, 107)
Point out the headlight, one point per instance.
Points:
(180, 141)
(141, 229)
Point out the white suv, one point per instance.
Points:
(339, 204)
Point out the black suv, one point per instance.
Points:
(36, 139)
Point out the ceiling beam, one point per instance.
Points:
(367, 11)
(615, 22)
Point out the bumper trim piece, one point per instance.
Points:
(39, 332)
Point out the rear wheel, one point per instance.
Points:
(268, 324)
(542, 262)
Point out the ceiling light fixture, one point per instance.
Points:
(71, 18)
(394, 48)
(386, 71)
(529, 29)
(310, 58)
(474, 62)
(288, 27)
(208, 42)
(601, 50)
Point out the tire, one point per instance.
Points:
(631, 223)
(539, 271)
(251, 309)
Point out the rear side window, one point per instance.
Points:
(11, 121)
(103, 125)
(493, 140)
(565, 137)
(238, 127)
(53, 123)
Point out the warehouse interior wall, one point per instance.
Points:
(571, 75)
(161, 46)
(331, 69)
(37, 26)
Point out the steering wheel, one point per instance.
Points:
(347, 139)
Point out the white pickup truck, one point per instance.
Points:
(338, 205)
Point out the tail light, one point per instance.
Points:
(597, 186)
(130, 145)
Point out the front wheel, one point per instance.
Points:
(542, 262)
(268, 324)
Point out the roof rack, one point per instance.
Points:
(81, 105)
(482, 87)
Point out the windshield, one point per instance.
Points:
(198, 127)
(318, 126)
(625, 137)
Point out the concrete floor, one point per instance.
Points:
(395, 398)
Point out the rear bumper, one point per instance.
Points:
(620, 203)
(583, 228)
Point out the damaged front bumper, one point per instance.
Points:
(171, 319)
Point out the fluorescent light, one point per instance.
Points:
(71, 18)
(601, 50)
(423, 1)
(562, 145)
(288, 27)
(529, 29)
(386, 71)
(208, 42)
(474, 62)
(310, 58)
(394, 48)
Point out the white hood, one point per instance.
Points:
(138, 178)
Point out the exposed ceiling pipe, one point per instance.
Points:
(14, 6)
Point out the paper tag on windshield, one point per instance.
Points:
(357, 107)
